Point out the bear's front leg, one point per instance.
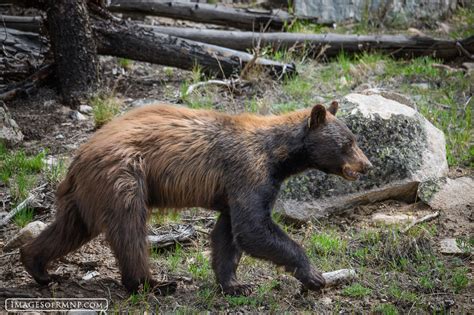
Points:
(225, 258)
(256, 234)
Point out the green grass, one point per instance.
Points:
(24, 217)
(327, 243)
(328, 250)
(56, 172)
(175, 258)
(17, 162)
(201, 97)
(207, 296)
(402, 296)
(199, 268)
(105, 109)
(463, 21)
(459, 279)
(356, 290)
(125, 63)
(386, 309)
(19, 172)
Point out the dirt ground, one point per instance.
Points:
(47, 124)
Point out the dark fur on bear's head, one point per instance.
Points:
(164, 156)
(331, 146)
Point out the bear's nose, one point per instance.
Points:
(367, 167)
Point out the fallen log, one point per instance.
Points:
(249, 19)
(136, 42)
(329, 44)
(169, 237)
(22, 23)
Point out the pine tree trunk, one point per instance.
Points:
(74, 49)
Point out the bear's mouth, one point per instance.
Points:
(350, 174)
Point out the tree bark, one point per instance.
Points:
(21, 54)
(206, 13)
(74, 49)
(329, 44)
(143, 44)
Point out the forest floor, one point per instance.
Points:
(397, 272)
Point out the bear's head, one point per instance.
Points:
(332, 147)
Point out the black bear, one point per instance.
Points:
(164, 156)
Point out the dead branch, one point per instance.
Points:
(179, 234)
(337, 277)
(426, 218)
(21, 206)
(29, 201)
(249, 19)
(228, 83)
(29, 85)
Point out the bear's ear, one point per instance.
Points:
(318, 116)
(333, 108)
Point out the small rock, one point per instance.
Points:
(392, 218)
(90, 275)
(48, 104)
(75, 115)
(326, 300)
(29, 232)
(449, 246)
(415, 31)
(363, 87)
(59, 137)
(85, 109)
(469, 67)
(343, 81)
(319, 100)
(10, 133)
(51, 161)
(206, 254)
(421, 86)
(444, 28)
(143, 101)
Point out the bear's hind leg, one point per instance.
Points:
(225, 258)
(67, 233)
(127, 237)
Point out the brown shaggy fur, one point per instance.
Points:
(165, 156)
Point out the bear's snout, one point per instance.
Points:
(366, 166)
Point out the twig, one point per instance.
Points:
(192, 87)
(25, 203)
(464, 51)
(426, 218)
(445, 67)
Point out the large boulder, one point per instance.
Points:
(393, 12)
(447, 194)
(403, 146)
(10, 133)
